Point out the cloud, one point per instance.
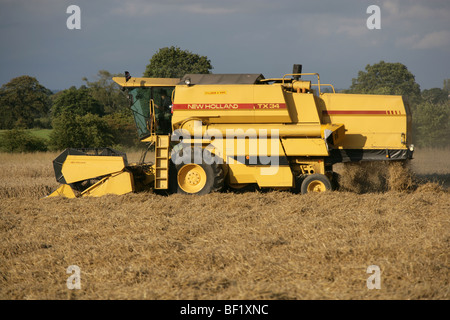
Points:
(327, 25)
(410, 11)
(140, 8)
(136, 9)
(417, 25)
(201, 9)
(352, 27)
(433, 40)
(235, 34)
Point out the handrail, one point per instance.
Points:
(153, 117)
(304, 74)
(324, 84)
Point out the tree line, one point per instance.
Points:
(93, 115)
(97, 113)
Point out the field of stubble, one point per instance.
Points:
(255, 245)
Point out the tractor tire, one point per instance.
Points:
(196, 178)
(316, 183)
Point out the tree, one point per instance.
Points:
(107, 92)
(435, 95)
(432, 124)
(446, 86)
(77, 102)
(116, 105)
(123, 128)
(386, 78)
(80, 131)
(175, 63)
(23, 100)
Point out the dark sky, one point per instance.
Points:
(239, 36)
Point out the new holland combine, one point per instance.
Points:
(216, 131)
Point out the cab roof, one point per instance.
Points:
(224, 78)
(146, 82)
(201, 79)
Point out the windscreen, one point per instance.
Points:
(140, 105)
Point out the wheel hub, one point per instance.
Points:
(316, 186)
(191, 178)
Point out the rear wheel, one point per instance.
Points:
(316, 183)
(197, 178)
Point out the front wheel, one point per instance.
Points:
(198, 178)
(316, 183)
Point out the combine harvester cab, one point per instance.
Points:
(236, 130)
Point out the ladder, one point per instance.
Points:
(162, 161)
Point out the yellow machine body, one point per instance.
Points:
(275, 133)
(79, 168)
(371, 121)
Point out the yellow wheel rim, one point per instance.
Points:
(191, 178)
(316, 186)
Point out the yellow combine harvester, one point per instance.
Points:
(212, 131)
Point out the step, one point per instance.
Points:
(162, 162)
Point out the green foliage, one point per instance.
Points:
(17, 140)
(435, 95)
(446, 86)
(43, 122)
(123, 128)
(22, 100)
(80, 131)
(175, 63)
(386, 78)
(431, 123)
(79, 119)
(77, 102)
(107, 92)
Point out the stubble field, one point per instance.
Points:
(254, 245)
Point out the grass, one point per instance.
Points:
(41, 133)
(272, 245)
(38, 133)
